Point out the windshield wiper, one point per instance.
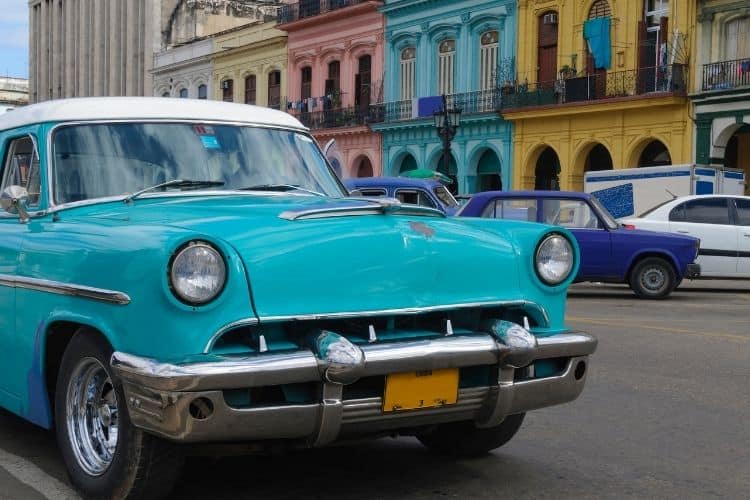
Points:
(280, 187)
(179, 183)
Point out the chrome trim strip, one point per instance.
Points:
(382, 206)
(87, 292)
(410, 310)
(224, 329)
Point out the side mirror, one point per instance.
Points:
(15, 200)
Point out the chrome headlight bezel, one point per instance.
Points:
(212, 257)
(567, 259)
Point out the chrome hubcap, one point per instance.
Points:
(653, 279)
(92, 418)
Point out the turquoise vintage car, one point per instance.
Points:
(176, 271)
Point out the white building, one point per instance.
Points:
(184, 71)
(13, 92)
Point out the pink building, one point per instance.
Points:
(335, 73)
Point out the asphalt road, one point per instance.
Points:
(665, 414)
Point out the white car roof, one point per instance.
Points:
(145, 108)
(668, 205)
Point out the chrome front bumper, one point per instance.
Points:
(160, 397)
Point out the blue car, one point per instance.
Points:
(180, 272)
(652, 263)
(426, 192)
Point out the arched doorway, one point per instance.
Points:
(655, 154)
(598, 159)
(408, 162)
(364, 168)
(451, 171)
(547, 171)
(488, 172)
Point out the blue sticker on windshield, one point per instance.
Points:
(210, 142)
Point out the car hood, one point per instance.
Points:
(304, 259)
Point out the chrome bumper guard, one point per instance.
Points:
(186, 402)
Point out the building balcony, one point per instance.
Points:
(470, 103)
(660, 80)
(339, 117)
(309, 8)
(726, 75)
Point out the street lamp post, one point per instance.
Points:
(447, 122)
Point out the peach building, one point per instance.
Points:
(335, 75)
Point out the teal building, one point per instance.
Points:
(463, 49)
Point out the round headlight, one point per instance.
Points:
(554, 259)
(198, 273)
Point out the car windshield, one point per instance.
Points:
(606, 216)
(445, 196)
(115, 159)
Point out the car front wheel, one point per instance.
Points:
(106, 456)
(466, 439)
(653, 278)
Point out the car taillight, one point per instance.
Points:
(628, 226)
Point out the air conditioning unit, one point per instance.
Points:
(550, 18)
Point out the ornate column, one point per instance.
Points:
(425, 74)
(465, 62)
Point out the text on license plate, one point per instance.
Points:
(423, 389)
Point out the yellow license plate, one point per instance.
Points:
(423, 389)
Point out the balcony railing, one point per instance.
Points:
(726, 74)
(340, 117)
(309, 8)
(643, 81)
(480, 101)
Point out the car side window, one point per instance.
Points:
(573, 214)
(373, 193)
(707, 211)
(743, 212)
(514, 209)
(21, 167)
(677, 214)
(414, 197)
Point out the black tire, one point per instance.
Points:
(141, 466)
(653, 278)
(466, 439)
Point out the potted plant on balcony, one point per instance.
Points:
(567, 72)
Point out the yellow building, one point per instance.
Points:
(601, 84)
(250, 65)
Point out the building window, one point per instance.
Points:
(600, 8)
(274, 89)
(227, 90)
(446, 57)
(363, 81)
(306, 90)
(250, 92)
(183, 93)
(489, 44)
(333, 83)
(202, 91)
(737, 45)
(408, 66)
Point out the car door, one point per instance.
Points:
(708, 218)
(743, 237)
(20, 167)
(594, 240)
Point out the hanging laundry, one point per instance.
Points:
(596, 33)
